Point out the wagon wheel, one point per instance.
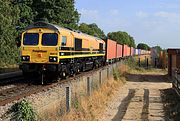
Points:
(42, 78)
(96, 64)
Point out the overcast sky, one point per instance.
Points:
(155, 22)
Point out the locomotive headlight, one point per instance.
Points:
(53, 59)
(25, 58)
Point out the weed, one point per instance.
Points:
(76, 103)
(115, 74)
(23, 111)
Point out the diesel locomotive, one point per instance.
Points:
(50, 51)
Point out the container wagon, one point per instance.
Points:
(119, 52)
(111, 51)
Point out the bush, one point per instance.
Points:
(23, 111)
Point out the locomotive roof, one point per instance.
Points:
(42, 24)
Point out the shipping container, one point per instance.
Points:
(142, 52)
(111, 50)
(136, 53)
(125, 50)
(132, 51)
(128, 51)
(139, 51)
(119, 51)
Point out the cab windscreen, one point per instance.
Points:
(31, 39)
(49, 39)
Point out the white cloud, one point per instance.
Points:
(89, 13)
(141, 14)
(169, 16)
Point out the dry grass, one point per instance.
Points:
(90, 107)
(123, 69)
(139, 70)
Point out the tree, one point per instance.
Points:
(92, 29)
(26, 15)
(8, 18)
(132, 42)
(158, 48)
(61, 12)
(122, 38)
(143, 46)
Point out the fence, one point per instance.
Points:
(176, 81)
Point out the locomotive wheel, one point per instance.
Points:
(64, 75)
(96, 65)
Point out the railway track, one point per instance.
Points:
(21, 90)
(11, 77)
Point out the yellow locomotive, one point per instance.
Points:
(52, 51)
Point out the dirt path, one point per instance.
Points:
(139, 99)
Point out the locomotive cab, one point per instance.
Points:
(39, 50)
(40, 47)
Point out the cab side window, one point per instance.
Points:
(64, 40)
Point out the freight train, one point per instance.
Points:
(50, 51)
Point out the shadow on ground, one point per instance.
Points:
(147, 78)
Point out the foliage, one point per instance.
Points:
(76, 102)
(8, 18)
(92, 29)
(143, 46)
(158, 48)
(61, 12)
(23, 111)
(122, 38)
(131, 62)
(116, 74)
(58, 12)
(26, 15)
